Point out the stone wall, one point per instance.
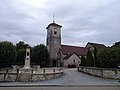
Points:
(42, 74)
(101, 72)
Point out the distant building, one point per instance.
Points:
(92, 46)
(64, 55)
(72, 54)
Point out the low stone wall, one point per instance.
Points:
(101, 72)
(42, 74)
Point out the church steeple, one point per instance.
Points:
(53, 42)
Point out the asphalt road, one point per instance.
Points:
(73, 77)
(70, 77)
(60, 88)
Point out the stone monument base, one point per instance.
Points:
(25, 74)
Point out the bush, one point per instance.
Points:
(40, 55)
(109, 57)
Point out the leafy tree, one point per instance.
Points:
(96, 62)
(21, 45)
(40, 55)
(109, 57)
(90, 60)
(83, 61)
(117, 44)
(20, 58)
(20, 51)
(7, 54)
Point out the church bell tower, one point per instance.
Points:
(53, 43)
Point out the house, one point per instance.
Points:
(71, 55)
(91, 46)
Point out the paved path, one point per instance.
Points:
(70, 77)
(73, 77)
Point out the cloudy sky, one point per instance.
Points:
(82, 20)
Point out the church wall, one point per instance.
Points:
(53, 43)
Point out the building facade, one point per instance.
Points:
(53, 43)
(65, 55)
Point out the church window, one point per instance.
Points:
(55, 32)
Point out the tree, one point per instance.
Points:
(83, 61)
(21, 45)
(20, 52)
(109, 57)
(20, 57)
(117, 44)
(90, 60)
(96, 62)
(40, 55)
(7, 54)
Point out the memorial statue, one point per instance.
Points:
(25, 72)
(27, 59)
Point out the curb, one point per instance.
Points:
(59, 85)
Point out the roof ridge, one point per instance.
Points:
(96, 43)
(73, 46)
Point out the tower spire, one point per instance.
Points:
(53, 18)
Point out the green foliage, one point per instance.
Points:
(7, 54)
(117, 44)
(109, 57)
(10, 54)
(96, 62)
(90, 60)
(20, 52)
(21, 45)
(40, 55)
(20, 57)
(83, 61)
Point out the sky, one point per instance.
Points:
(82, 21)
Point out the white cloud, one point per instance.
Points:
(82, 20)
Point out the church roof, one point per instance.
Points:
(53, 24)
(96, 45)
(66, 49)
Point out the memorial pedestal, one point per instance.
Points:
(25, 72)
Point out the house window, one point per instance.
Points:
(74, 60)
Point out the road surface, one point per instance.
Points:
(71, 80)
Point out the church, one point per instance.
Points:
(65, 55)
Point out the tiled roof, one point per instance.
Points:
(96, 45)
(54, 24)
(69, 55)
(66, 50)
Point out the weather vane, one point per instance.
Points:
(54, 18)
